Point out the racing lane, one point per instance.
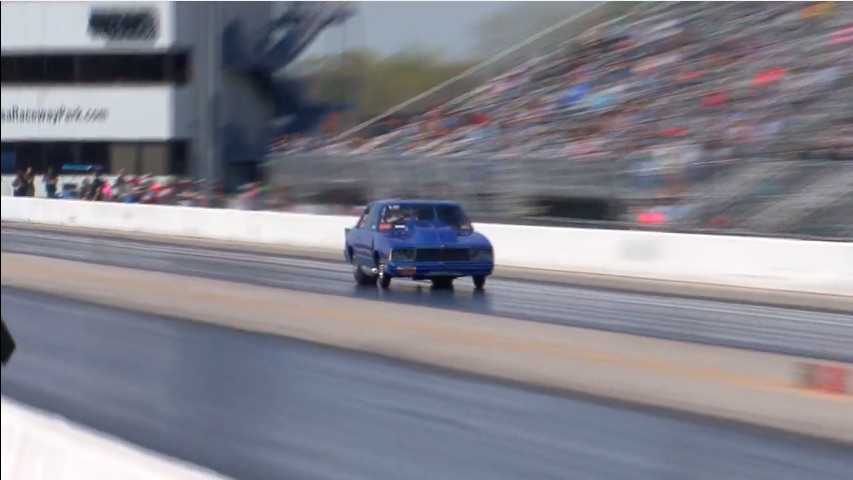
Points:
(774, 329)
(262, 407)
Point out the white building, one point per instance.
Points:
(126, 85)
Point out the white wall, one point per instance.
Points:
(83, 113)
(761, 263)
(40, 446)
(63, 26)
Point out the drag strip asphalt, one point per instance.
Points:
(262, 407)
(819, 334)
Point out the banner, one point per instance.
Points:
(75, 113)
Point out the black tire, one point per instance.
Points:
(479, 281)
(361, 278)
(384, 279)
(442, 283)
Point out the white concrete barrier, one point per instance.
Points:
(776, 264)
(36, 446)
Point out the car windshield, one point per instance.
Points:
(450, 215)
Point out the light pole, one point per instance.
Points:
(212, 82)
(207, 80)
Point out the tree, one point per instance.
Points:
(522, 20)
(514, 24)
(373, 84)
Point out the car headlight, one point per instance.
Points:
(481, 255)
(403, 255)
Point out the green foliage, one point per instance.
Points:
(375, 84)
(522, 20)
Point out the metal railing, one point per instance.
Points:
(525, 189)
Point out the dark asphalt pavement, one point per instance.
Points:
(260, 407)
(775, 329)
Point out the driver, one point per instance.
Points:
(397, 216)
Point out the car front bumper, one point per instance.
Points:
(425, 270)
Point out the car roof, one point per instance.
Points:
(413, 202)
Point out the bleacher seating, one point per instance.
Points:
(678, 93)
(702, 77)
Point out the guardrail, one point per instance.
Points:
(488, 184)
(602, 188)
(763, 263)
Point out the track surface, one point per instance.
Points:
(774, 329)
(260, 407)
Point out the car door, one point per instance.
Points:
(361, 235)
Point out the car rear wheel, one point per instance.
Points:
(442, 282)
(361, 278)
(479, 281)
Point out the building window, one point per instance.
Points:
(94, 153)
(135, 158)
(27, 155)
(57, 154)
(37, 70)
(96, 69)
(178, 68)
(59, 69)
(179, 158)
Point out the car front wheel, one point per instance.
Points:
(383, 277)
(385, 281)
(479, 282)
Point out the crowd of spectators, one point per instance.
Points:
(164, 190)
(666, 97)
(671, 87)
(681, 81)
(121, 188)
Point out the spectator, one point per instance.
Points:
(85, 189)
(30, 182)
(119, 181)
(19, 185)
(51, 182)
(24, 184)
(96, 189)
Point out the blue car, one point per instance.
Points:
(417, 239)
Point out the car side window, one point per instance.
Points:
(383, 215)
(395, 214)
(372, 218)
(364, 221)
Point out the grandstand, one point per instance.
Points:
(727, 113)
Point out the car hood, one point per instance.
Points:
(430, 234)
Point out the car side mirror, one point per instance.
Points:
(7, 348)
